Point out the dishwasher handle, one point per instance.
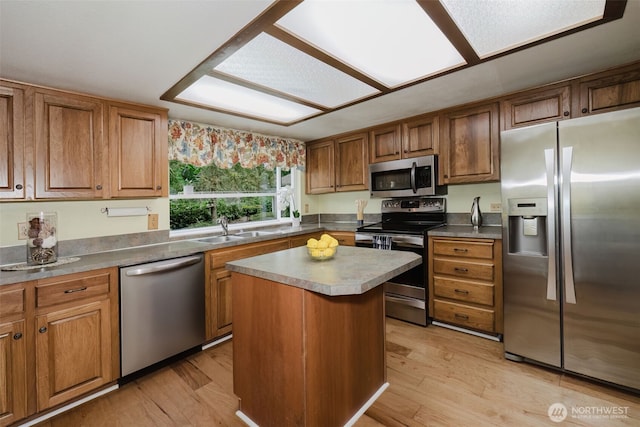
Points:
(165, 266)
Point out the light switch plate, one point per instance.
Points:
(152, 223)
(23, 230)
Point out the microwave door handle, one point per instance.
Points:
(414, 185)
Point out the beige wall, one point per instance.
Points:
(82, 219)
(459, 200)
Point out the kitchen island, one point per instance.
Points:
(309, 336)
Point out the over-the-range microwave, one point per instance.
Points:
(406, 178)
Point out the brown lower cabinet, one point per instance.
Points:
(218, 312)
(72, 349)
(465, 283)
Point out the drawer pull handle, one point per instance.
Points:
(461, 269)
(460, 250)
(70, 291)
(461, 316)
(461, 291)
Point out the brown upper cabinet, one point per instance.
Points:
(610, 90)
(12, 185)
(352, 163)
(349, 154)
(69, 146)
(62, 145)
(470, 145)
(385, 143)
(411, 138)
(536, 106)
(138, 151)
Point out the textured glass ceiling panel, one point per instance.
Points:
(269, 62)
(492, 26)
(394, 42)
(223, 95)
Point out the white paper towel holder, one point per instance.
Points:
(138, 211)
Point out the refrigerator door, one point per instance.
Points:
(601, 158)
(531, 294)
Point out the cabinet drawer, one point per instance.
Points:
(455, 248)
(475, 292)
(12, 301)
(220, 257)
(460, 268)
(463, 315)
(69, 289)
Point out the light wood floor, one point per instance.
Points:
(437, 377)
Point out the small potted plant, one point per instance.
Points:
(287, 200)
(189, 175)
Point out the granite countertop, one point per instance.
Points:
(483, 232)
(171, 249)
(353, 270)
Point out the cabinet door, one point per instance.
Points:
(73, 352)
(12, 184)
(13, 372)
(69, 146)
(221, 299)
(352, 164)
(138, 151)
(536, 106)
(610, 91)
(385, 144)
(420, 137)
(320, 175)
(469, 147)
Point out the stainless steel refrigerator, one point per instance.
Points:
(571, 239)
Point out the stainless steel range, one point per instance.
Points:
(404, 227)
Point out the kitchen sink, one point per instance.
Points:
(254, 233)
(220, 239)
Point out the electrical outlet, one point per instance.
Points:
(23, 230)
(496, 207)
(306, 208)
(152, 222)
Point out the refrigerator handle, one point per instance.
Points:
(570, 290)
(549, 159)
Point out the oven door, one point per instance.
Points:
(405, 295)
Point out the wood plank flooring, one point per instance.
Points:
(438, 377)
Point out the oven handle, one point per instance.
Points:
(406, 301)
(408, 241)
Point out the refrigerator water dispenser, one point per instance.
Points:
(528, 226)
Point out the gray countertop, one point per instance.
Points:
(144, 254)
(351, 271)
(467, 231)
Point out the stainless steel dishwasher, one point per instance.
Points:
(161, 311)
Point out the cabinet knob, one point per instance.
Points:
(159, 187)
(584, 111)
(17, 336)
(19, 187)
(406, 151)
(42, 330)
(98, 187)
(566, 114)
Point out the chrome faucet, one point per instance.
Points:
(224, 223)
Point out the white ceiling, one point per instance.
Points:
(136, 50)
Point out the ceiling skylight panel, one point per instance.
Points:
(271, 63)
(394, 42)
(493, 26)
(222, 95)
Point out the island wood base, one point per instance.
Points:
(302, 358)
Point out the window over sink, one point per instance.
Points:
(200, 195)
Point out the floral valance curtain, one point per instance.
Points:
(202, 144)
